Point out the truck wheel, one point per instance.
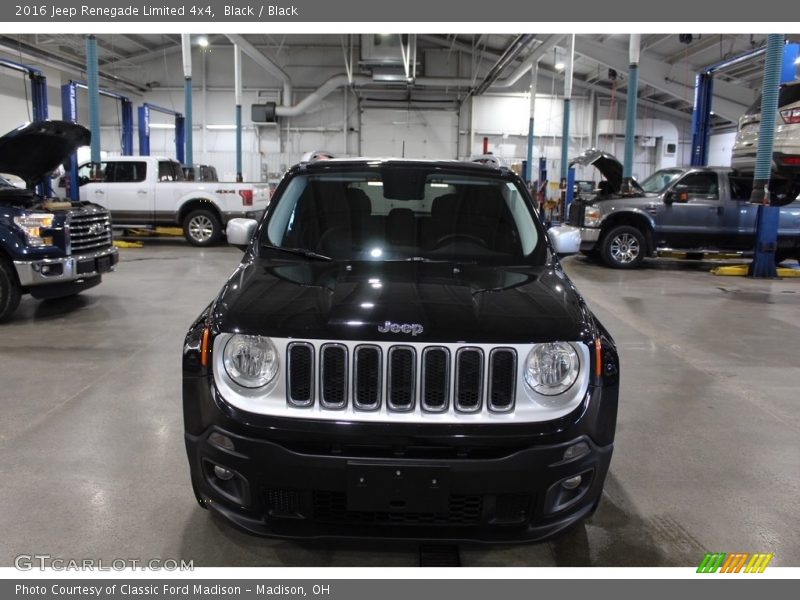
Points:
(9, 291)
(202, 228)
(623, 247)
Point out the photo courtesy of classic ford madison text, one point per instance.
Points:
(399, 299)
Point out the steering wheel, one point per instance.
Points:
(450, 237)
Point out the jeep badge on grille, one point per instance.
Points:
(413, 328)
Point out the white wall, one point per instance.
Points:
(719, 149)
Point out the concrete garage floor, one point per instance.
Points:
(707, 455)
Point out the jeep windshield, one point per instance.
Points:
(395, 212)
(660, 180)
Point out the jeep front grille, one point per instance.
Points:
(89, 231)
(440, 379)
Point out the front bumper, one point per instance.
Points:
(589, 238)
(68, 269)
(297, 478)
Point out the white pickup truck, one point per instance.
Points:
(150, 191)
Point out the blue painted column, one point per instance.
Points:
(187, 98)
(93, 87)
(630, 107)
(763, 264)
(570, 62)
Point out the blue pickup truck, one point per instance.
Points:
(692, 209)
(49, 248)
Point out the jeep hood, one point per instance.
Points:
(473, 304)
(607, 164)
(35, 150)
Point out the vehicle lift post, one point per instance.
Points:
(144, 130)
(768, 216)
(38, 105)
(69, 112)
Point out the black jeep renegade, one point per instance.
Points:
(399, 355)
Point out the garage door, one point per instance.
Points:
(409, 133)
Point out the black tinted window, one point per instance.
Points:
(125, 172)
(741, 187)
(169, 171)
(790, 93)
(699, 184)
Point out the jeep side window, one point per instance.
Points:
(703, 185)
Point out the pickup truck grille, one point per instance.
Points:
(440, 380)
(89, 231)
(575, 214)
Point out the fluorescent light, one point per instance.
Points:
(202, 41)
(162, 126)
(225, 127)
(559, 66)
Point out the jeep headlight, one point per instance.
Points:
(250, 360)
(32, 225)
(591, 216)
(552, 368)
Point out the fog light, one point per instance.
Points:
(576, 451)
(226, 474)
(221, 441)
(567, 484)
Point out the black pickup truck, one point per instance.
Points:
(49, 248)
(694, 209)
(399, 354)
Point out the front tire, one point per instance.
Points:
(202, 228)
(10, 293)
(623, 247)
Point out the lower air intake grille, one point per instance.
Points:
(282, 503)
(331, 507)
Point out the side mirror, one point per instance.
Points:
(566, 239)
(240, 231)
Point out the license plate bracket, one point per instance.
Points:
(397, 488)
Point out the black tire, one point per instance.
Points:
(9, 291)
(201, 227)
(623, 247)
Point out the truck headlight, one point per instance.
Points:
(32, 225)
(250, 360)
(591, 216)
(552, 368)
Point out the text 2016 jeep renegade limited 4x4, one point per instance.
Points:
(399, 354)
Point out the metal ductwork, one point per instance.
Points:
(509, 56)
(265, 63)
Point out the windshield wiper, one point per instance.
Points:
(310, 254)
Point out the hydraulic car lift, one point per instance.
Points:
(69, 112)
(144, 130)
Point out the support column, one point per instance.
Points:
(237, 66)
(529, 156)
(570, 61)
(186, 44)
(763, 264)
(630, 107)
(93, 87)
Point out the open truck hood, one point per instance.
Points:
(33, 151)
(609, 167)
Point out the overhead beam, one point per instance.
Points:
(695, 48)
(730, 101)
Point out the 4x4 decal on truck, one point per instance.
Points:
(414, 329)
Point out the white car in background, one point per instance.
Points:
(786, 147)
